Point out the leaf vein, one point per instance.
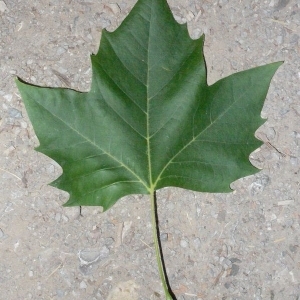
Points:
(194, 138)
(96, 146)
(124, 65)
(118, 86)
(111, 184)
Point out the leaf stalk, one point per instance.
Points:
(158, 250)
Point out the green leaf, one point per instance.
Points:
(149, 120)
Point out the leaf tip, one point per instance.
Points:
(277, 64)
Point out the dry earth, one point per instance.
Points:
(238, 246)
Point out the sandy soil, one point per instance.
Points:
(238, 246)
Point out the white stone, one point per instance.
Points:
(8, 97)
(83, 285)
(114, 8)
(183, 243)
(189, 16)
(3, 6)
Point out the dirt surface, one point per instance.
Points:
(238, 246)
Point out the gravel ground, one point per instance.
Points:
(243, 245)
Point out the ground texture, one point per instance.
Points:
(238, 246)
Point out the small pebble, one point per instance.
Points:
(260, 183)
(65, 218)
(293, 248)
(90, 256)
(285, 202)
(184, 243)
(57, 217)
(164, 237)
(29, 295)
(234, 270)
(109, 241)
(8, 97)
(113, 7)
(225, 262)
(104, 252)
(23, 124)
(3, 7)
(50, 169)
(189, 16)
(60, 293)
(294, 161)
(222, 216)
(197, 242)
(60, 50)
(279, 39)
(14, 113)
(105, 23)
(170, 206)
(82, 285)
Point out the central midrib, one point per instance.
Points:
(151, 187)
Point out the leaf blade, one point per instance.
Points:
(216, 134)
(77, 144)
(149, 117)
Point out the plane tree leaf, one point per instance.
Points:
(150, 120)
